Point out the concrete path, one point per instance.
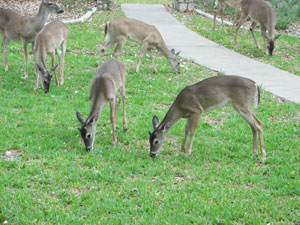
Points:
(214, 56)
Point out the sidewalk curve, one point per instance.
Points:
(209, 54)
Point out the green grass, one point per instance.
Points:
(56, 182)
(286, 55)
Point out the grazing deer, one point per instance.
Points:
(220, 9)
(121, 29)
(109, 78)
(52, 36)
(260, 11)
(204, 96)
(23, 28)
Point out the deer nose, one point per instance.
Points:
(152, 155)
(60, 11)
(46, 91)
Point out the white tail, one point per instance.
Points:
(23, 28)
(207, 95)
(260, 11)
(109, 78)
(121, 29)
(48, 42)
(220, 6)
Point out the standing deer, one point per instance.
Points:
(52, 36)
(220, 9)
(204, 96)
(24, 28)
(121, 29)
(109, 78)
(260, 11)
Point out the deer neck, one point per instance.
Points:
(165, 51)
(172, 116)
(98, 104)
(41, 17)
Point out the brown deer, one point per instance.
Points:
(24, 28)
(109, 78)
(260, 11)
(52, 36)
(121, 29)
(220, 10)
(204, 96)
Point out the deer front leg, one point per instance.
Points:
(186, 133)
(26, 58)
(242, 20)
(53, 64)
(5, 42)
(253, 35)
(193, 123)
(36, 85)
(124, 107)
(153, 64)
(142, 54)
(237, 12)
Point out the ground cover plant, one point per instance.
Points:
(54, 181)
(286, 55)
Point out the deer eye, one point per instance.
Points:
(50, 3)
(88, 136)
(156, 142)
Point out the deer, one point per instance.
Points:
(215, 92)
(48, 41)
(121, 29)
(220, 10)
(110, 77)
(259, 11)
(24, 28)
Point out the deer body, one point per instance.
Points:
(204, 96)
(109, 78)
(23, 28)
(48, 41)
(223, 4)
(121, 29)
(260, 11)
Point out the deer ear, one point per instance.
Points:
(155, 122)
(150, 133)
(80, 118)
(39, 68)
(53, 68)
(172, 51)
(177, 54)
(94, 118)
(277, 37)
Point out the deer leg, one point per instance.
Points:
(5, 42)
(26, 58)
(53, 64)
(117, 104)
(222, 16)
(153, 64)
(242, 20)
(215, 16)
(113, 120)
(36, 85)
(261, 139)
(118, 49)
(194, 119)
(142, 54)
(186, 133)
(123, 93)
(61, 55)
(237, 12)
(253, 35)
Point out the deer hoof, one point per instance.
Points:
(125, 128)
(262, 160)
(25, 76)
(5, 68)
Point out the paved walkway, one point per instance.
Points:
(214, 56)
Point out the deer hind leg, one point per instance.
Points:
(153, 64)
(118, 48)
(237, 13)
(53, 64)
(26, 58)
(256, 127)
(112, 103)
(252, 28)
(62, 62)
(192, 125)
(123, 93)
(242, 20)
(5, 42)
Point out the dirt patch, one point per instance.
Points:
(11, 155)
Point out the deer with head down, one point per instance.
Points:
(109, 78)
(121, 29)
(220, 6)
(52, 36)
(259, 11)
(24, 28)
(204, 96)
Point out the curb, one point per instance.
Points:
(82, 19)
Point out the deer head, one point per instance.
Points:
(271, 43)
(88, 130)
(157, 137)
(46, 76)
(174, 61)
(52, 7)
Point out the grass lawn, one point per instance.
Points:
(55, 181)
(286, 55)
